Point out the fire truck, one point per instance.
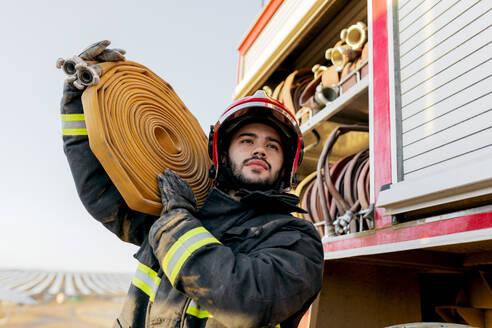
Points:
(398, 96)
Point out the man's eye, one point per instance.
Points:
(272, 146)
(246, 141)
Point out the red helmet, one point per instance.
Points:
(259, 108)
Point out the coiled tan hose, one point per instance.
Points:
(301, 189)
(137, 128)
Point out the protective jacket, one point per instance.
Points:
(232, 264)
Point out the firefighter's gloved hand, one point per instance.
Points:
(175, 192)
(81, 70)
(98, 52)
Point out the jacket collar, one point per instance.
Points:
(270, 201)
(218, 203)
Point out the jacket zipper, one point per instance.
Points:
(187, 303)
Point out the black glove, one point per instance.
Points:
(98, 52)
(175, 192)
(78, 71)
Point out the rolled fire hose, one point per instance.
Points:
(293, 87)
(137, 128)
(312, 200)
(303, 191)
(364, 70)
(302, 82)
(285, 96)
(304, 115)
(348, 82)
(349, 68)
(267, 90)
(365, 52)
(300, 90)
(301, 188)
(307, 96)
(277, 91)
(330, 77)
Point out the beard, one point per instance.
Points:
(249, 184)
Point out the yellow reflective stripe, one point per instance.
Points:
(73, 117)
(201, 314)
(74, 132)
(170, 253)
(277, 326)
(187, 254)
(144, 287)
(73, 125)
(182, 249)
(151, 273)
(146, 280)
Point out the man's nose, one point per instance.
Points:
(259, 151)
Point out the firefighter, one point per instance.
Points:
(241, 260)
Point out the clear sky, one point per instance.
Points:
(191, 44)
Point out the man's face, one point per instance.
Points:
(256, 156)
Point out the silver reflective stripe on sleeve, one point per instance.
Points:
(146, 280)
(74, 125)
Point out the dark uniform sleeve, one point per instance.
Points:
(96, 191)
(273, 284)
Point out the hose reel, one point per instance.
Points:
(137, 128)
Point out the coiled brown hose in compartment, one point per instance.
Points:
(137, 128)
(336, 196)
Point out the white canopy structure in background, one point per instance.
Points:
(28, 285)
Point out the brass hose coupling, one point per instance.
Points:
(355, 35)
(80, 72)
(89, 75)
(318, 70)
(328, 53)
(69, 67)
(341, 55)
